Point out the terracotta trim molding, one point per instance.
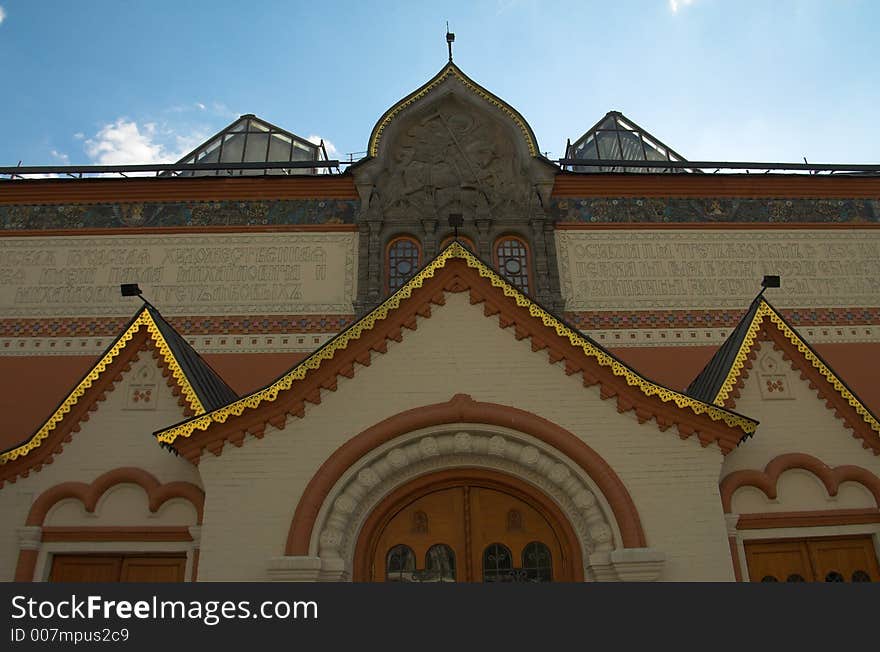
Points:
(463, 409)
(456, 270)
(768, 325)
(734, 557)
(27, 563)
(767, 479)
(156, 189)
(89, 494)
(116, 533)
(715, 185)
(79, 410)
(573, 569)
(48, 441)
(768, 520)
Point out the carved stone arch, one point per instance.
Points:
(452, 147)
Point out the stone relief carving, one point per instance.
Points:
(451, 159)
(351, 502)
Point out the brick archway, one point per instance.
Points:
(463, 409)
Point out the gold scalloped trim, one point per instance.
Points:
(455, 250)
(144, 319)
(765, 310)
(453, 70)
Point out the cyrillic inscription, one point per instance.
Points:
(717, 269)
(278, 273)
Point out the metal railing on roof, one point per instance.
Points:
(79, 171)
(603, 166)
(715, 166)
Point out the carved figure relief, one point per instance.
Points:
(451, 159)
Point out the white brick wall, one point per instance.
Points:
(253, 490)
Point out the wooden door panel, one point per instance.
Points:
(433, 519)
(153, 569)
(841, 559)
(85, 568)
(499, 517)
(781, 560)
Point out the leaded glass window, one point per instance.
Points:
(439, 564)
(400, 564)
(536, 562)
(512, 258)
(404, 258)
(497, 564)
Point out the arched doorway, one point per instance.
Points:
(467, 525)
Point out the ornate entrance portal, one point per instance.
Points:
(467, 526)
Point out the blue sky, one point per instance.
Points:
(135, 82)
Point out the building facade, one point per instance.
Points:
(454, 361)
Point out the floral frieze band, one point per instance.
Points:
(177, 214)
(695, 210)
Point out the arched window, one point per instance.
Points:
(400, 564)
(512, 260)
(440, 564)
(404, 258)
(466, 242)
(497, 563)
(537, 563)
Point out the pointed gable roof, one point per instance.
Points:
(451, 71)
(616, 137)
(250, 139)
(719, 382)
(455, 269)
(199, 386)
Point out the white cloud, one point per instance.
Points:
(330, 147)
(79, 135)
(61, 156)
(675, 5)
(2, 15)
(200, 106)
(124, 142)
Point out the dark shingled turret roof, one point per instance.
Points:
(212, 391)
(708, 383)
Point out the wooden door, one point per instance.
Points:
(153, 569)
(469, 531)
(85, 568)
(833, 559)
(118, 568)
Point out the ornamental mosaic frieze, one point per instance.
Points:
(709, 210)
(174, 214)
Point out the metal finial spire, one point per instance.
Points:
(450, 38)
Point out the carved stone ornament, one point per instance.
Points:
(381, 472)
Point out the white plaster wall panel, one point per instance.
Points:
(253, 490)
(800, 490)
(122, 505)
